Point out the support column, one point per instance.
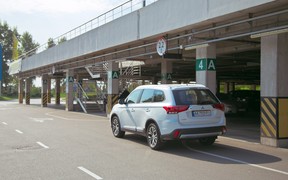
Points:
(49, 90)
(226, 87)
(79, 91)
(231, 86)
(20, 91)
(57, 91)
(113, 85)
(27, 90)
(205, 66)
(44, 90)
(274, 94)
(69, 89)
(166, 71)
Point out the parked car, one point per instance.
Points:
(229, 104)
(246, 100)
(170, 112)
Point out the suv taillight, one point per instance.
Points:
(175, 109)
(219, 106)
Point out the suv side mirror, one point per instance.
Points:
(122, 101)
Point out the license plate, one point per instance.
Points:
(201, 113)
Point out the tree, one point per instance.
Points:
(50, 43)
(28, 45)
(6, 41)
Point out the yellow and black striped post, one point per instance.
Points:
(27, 98)
(44, 100)
(44, 96)
(20, 91)
(112, 99)
(57, 91)
(49, 90)
(27, 90)
(274, 117)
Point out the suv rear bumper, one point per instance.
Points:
(195, 133)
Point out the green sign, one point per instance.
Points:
(206, 64)
(113, 74)
(70, 79)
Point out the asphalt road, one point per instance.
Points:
(44, 143)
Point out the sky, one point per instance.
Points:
(45, 19)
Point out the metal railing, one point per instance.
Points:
(117, 12)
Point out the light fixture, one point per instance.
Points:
(196, 46)
(269, 33)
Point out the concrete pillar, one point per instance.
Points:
(28, 82)
(44, 91)
(231, 86)
(166, 71)
(57, 91)
(49, 90)
(80, 83)
(113, 85)
(69, 90)
(20, 91)
(274, 93)
(253, 87)
(226, 87)
(205, 66)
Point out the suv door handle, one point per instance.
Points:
(147, 110)
(132, 110)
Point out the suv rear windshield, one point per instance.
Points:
(194, 97)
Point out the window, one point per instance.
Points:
(134, 96)
(194, 97)
(147, 96)
(159, 96)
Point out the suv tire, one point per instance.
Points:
(153, 137)
(116, 128)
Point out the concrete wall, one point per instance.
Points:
(153, 20)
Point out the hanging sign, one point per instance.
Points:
(161, 46)
(206, 64)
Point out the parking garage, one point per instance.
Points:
(221, 45)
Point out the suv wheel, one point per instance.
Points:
(153, 137)
(115, 125)
(207, 141)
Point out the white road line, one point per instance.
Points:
(238, 140)
(238, 161)
(4, 123)
(18, 131)
(43, 145)
(89, 172)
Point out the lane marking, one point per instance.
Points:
(43, 145)
(239, 140)
(237, 161)
(18, 131)
(4, 123)
(41, 120)
(89, 173)
(71, 119)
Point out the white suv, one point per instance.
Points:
(170, 112)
